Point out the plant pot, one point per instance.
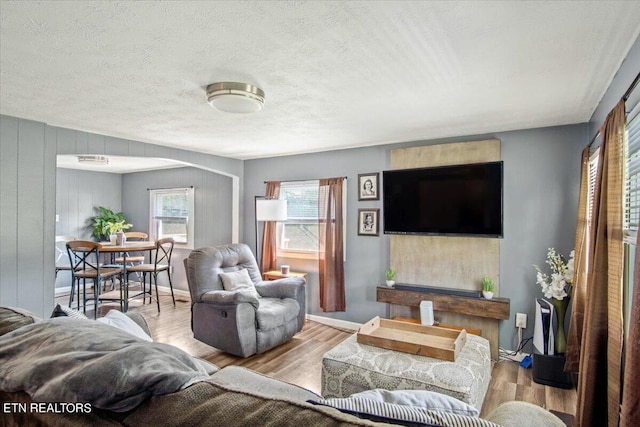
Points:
(113, 239)
(487, 294)
(390, 283)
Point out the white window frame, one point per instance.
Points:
(190, 217)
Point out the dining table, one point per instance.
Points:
(123, 250)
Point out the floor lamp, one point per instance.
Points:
(268, 210)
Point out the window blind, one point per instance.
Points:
(593, 172)
(632, 180)
(300, 231)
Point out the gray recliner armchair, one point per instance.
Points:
(241, 321)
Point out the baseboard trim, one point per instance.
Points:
(176, 292)
(62, 290)
(344, 324)
(65, 290)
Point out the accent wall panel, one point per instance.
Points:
(446, 261)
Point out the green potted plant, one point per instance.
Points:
(108, 223)
(391, 277)
(487, 287)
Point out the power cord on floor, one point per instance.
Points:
(515, 355)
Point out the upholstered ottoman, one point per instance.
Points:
(350, 368)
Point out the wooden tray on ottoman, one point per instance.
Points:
(422, 340)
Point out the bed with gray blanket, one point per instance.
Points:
(79, 360)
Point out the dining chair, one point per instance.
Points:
(161, 262)
(61, 255)
(84, 256)
(137, 257)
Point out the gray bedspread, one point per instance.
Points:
(78, 360)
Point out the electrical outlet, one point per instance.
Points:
(521, 320)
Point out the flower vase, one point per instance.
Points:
(560, 306)
(120, 238)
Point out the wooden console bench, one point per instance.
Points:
(477, 313)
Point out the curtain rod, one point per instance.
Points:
(631, 88)
(303, 180)
(625, 97)
(169, 188)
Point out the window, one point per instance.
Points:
(171, 215)
(593, 171)
(631, 208)
(299, 233)
(632, 181)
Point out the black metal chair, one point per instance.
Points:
(135, 257)
(84, 257)
(61, 253)
(162, 262)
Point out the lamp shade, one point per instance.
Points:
(271, 210)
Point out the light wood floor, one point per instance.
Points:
(299, 361)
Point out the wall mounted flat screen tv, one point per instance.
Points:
(463, 200)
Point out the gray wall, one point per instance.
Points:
(78, 194)
(541, 179)
(28, 152)
(27, 212)
(212, 215)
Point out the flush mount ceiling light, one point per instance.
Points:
(235, 97)
(94, 160)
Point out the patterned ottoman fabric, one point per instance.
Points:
(351, 368)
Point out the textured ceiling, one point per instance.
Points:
(335, 74)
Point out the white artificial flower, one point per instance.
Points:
(558, 285)
(557, 280)
(558, 294)
(568, 273)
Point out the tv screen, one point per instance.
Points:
(445, 200)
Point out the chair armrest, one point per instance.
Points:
(229, 297)
(288, 287)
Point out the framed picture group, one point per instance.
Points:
(368, 218)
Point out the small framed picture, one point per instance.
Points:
(368, 186)
(368, 222)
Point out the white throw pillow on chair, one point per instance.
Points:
(238, 281)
